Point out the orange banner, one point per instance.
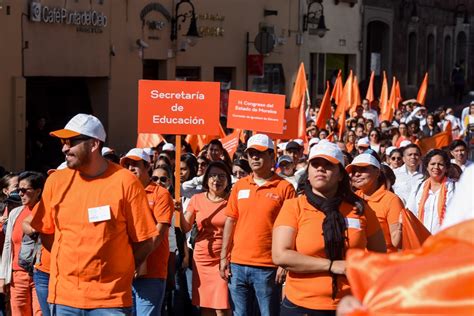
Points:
(178, 107)
(290, 126)
(256, 111)
(231, 142)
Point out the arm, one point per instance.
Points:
(227, 238)
(161, 228)
(284, 255)
(141, 250)
(189, 188)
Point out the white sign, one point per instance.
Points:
(45, 14)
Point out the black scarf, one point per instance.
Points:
(334, 227)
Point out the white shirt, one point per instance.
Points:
(463, 167)
(405, 181)
(461, 206)
(371, 115)
(431, 217)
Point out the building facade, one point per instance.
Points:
(61, 57)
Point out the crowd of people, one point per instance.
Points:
(262, 232)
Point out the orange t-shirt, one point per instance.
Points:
(45, 260)
(92, 263)
(314, 290)
(255, 209)
(17, 237)
(387, 206)
(162, 204)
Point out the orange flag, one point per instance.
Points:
(384, 95)
(325, 109)
(346, 98)
(231, 142)
(145, 140)
(355, 95)
(330, 137)
(299, 89)
(398, 94)
(336, 93)
(388, 111)
(370, 89)
(436, 279)
(342, 124)
(414, 233)
(438, 141)
(421, 97)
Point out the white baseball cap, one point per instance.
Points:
(363, 160)
(148, 151)
(313, 141)
(299, 141)
(168, 147)
(326, 150)
(106, 151)
(404, 143)
(282, 146)
(389, 150)
(260, 142)
(82, 124)
(136, 154)
(363, 142)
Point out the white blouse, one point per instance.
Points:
(431, 217)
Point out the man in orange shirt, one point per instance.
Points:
(253, 206)
(150, 284)
(103, 227)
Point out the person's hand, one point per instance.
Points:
(185, 263)
(348, 305)
(280, 275)
(338, 267)
(2, 286)
(178, 206)
(224, 269)
(3, 219)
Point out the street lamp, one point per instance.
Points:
(192, 34)
(316, 17)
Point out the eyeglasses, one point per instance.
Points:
(24, 190)
(162, 179)
(71, 142)
(220, 176)
(395, 158)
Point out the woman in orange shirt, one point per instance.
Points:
(210, 291)
(313, 232)
(370, 183)
(23, 299)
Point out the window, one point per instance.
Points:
(188, 73)
(430, 57)
(447, 59)
(411, 71)
(273, 80)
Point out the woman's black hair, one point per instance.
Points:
(396, 150)
(226, 155)
(165, 158)
(35, 179)
(170, 176)
(345, 190)
(244, 164)
(431, 154)
(191, 162)
(223, 166)
(388, 175)
(456, 143)
(4, 182)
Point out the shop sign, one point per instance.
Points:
(90, 21)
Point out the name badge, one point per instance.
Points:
(243, 194)
(99, 214)
(353, 223)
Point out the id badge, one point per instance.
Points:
(99, 214)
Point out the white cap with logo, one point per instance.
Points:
(327, 150)
(82, 124)
(260, 142)
(363, 160)
(136, 154)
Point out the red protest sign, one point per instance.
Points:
(290, 125)
(178, 107)
(256, 111)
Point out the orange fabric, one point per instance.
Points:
(162, 205)
(209, 289)
(389, 110)
(255, 209)
(346, 98)
(299, 89)
(441, 201)
(145, 140)
(92, 264)
(355, 95)
(400, 140)
(421, 96)
(45, 261)
(398, 95)
(23, 298)
(437, 279)
(414, 233)
(370, 89)
(231, 142)
(439, 141)
(324, 113)
(387, 206)
(302, 123)
(342, 124)
(337, 89)
(314, 290)
(384, 95)
(17, 237)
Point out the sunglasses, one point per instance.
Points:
(24, 190)
(162, 179)
(395, 158)
(71, 142)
